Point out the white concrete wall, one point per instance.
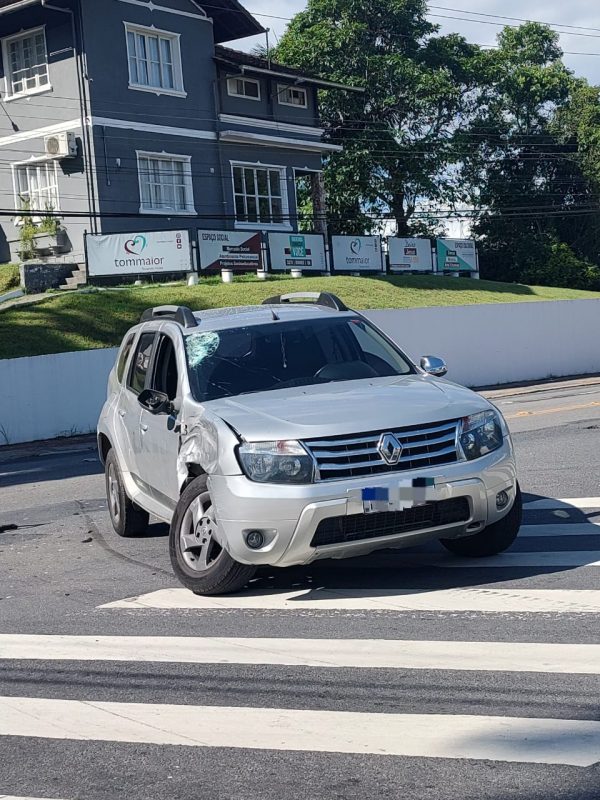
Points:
(501, 343)
(57, 395)
(43, 397)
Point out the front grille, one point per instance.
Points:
(357, 527)
(352, 456)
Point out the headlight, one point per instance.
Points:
(480, 434)
(276, 462)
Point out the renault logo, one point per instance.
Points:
(390, 448)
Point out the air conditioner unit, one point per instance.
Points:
(61, 145)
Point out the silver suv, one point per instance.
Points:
(293, 431)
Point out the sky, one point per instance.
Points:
(584, 13)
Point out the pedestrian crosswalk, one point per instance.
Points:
(93, 688)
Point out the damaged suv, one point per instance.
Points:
(293, 431)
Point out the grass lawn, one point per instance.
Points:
(82, 321)
(9, 277)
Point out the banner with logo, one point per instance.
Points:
(297, 251)
(413, 255)
(456, 255)
(230, 250)
(357, 253)
(137, 253)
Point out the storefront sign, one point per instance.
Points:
(230, 250)
(412, 255)
(137, 253)
(456, 255)
(297, 251)
(357, 253)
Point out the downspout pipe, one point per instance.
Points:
(85, 132)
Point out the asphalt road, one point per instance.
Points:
(502, 700)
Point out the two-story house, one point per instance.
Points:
(129, 115)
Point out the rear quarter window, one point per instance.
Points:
(124, 356)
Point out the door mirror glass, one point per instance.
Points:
(155, 402)
(434, 366)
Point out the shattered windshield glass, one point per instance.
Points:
(280, 355)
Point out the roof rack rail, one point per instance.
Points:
(181, 314)
(317, 298)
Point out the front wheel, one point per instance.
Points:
(199, 561)
(491, 540)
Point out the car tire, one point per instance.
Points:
(491, 540)
(198, 560)
(127, 519)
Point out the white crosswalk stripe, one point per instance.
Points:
(354, 653)
(526, 740)
(14, 797)
(560, 529)
(544, 601)
(581, 503)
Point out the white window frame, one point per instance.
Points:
(36, 163)
(8, 80)
(285, 208)
(284, 87)
(175, 41)
(188, 183)
(231, 81)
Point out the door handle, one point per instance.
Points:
(144, 428)
(121, 412)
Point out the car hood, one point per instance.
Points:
(346, 407)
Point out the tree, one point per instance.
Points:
(398, 137)
(522, 169)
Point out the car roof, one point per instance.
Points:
(241, 316)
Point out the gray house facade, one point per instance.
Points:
(129, 115)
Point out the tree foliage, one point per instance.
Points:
(398, 136)
(507, 133)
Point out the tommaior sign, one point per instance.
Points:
(409, 255)
(456, 255)
(297, 251)
(357, 253)
(230, 250)
(136, 253)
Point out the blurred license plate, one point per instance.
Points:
(396, 498)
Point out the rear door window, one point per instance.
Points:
(141, 362)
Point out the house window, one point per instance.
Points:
(26, 63)
(292, 96)
(154, 60)
(165, 183)
(260, 195)
(36, 186)
(244, 87)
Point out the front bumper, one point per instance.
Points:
(289, 516)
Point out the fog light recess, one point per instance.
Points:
(255, 539)
(502, 499)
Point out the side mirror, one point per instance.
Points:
(434, 366)
(155, 402)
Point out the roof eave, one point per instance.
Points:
(319, 82)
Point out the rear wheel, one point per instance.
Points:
(127, 518)
(491, 540)
(199, 561)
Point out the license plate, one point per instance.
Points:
(407, 494)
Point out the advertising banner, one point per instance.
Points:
(413, 255)
(135, 253)
(230, 250)
(297, 251)
(456, 255)
(356, 253)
